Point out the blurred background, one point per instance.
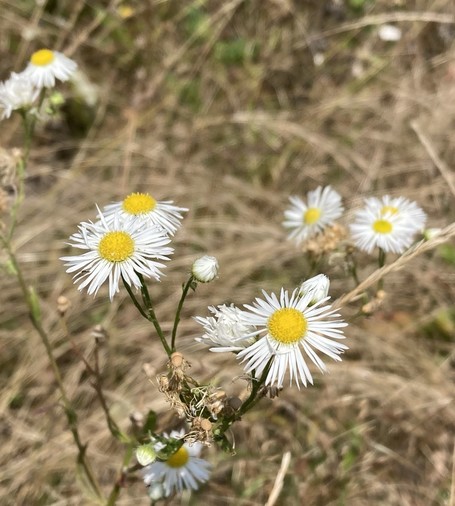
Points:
(227, 108)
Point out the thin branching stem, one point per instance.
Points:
(185, 289)
(67, 405)
(149, 313)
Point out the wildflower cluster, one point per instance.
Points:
(387, 223)
(129, 241)
(274, 337)
(21, 91)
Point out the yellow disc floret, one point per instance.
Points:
(287, 325)
(42, 57)
(116, 246)
(389, 210)
(179, 458)
(312, 215)
(382, 227)
(139, 203)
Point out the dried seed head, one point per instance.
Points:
(205, 424)
(234, 403)
(327, 241)
(63, 304)
(163, 383)
(177, 360)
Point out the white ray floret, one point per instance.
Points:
(225, 331)
(45, 66)
(290, 332)
(184, 470)
(389, 231)
(306, 219)
(18, 92)
(116, 250)
(148, 210)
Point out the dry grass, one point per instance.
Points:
(220, 107)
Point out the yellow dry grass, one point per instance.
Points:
(227, 109)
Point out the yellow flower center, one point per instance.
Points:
(42, 57)
(139, 203)
(125, 11)
(116, 246)
(287, 325)
(312, 215)
(389, 209)
(382, 227)
(179, 458)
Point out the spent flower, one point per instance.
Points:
(18, 92)
(226, 330)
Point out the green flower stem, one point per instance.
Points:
(150, 314)
(120, 480)
(185, 289)
(28, 123)
(252, 400)
(133, 298)
(381, 263)
(68, 408)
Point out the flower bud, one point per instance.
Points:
(430, 233)
(205, 269)
(145, 454)
(318, 286)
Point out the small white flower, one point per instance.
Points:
(205, 269)
(17, 92)
(287, 326)
(318, 286)
(119, 249)
(400, 207)
(45, 66)
(388, 231)
(389, 33)
(144, 207)
(226, 331)
(182, 470)
(304, 220)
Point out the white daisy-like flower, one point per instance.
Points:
(144, 207)
(182, 470)
(46, 65)
(225, 331)
(305, 220)
(205, 269)
(118, 249)
(390, 231)
(18, 92)
(318, 286)
(401, 207)
(287, 326)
